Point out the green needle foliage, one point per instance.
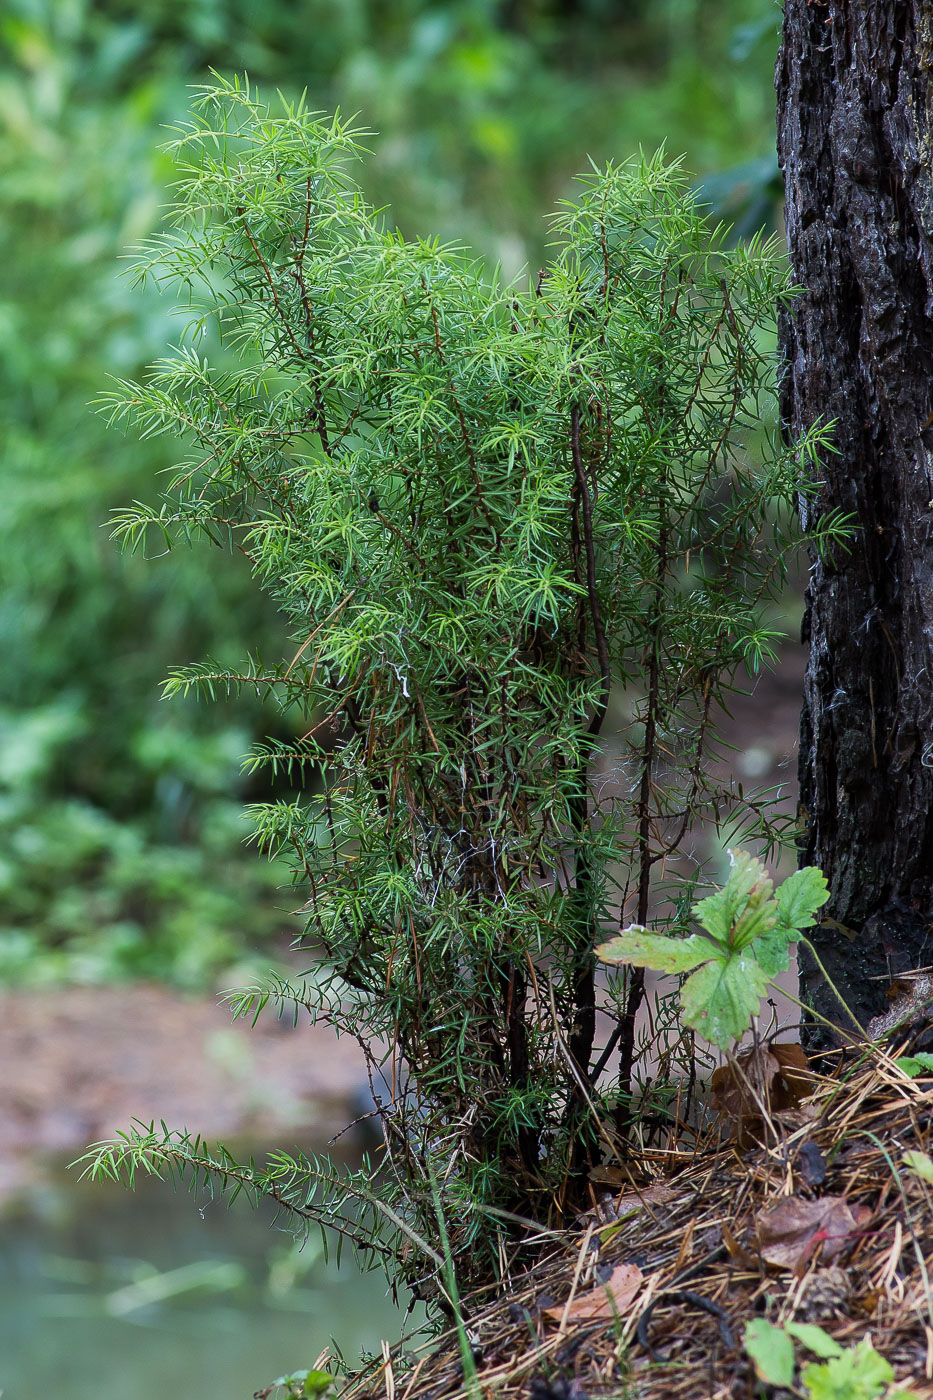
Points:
(488, 512)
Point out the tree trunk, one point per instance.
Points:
(855, 119)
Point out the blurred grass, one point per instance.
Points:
(120, 839)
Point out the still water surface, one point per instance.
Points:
(112, 1295)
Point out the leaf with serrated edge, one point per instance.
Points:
(916, 1065)
(755, 921)
(715, 915)
(800, 896)
(771, 1350)
(720, 999)
(748, 877)
(748, 945)
(642, 949)
(748, 885)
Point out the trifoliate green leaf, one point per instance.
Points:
(800, 896)
(771, 1350)
(637, 946)
(748, 945)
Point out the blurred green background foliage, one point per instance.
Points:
(120, 832)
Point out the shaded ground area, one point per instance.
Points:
(79, 1063)
(821, 1230)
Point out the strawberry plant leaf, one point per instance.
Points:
(859, 1373)
(771, 950)
(749, 933)
(637, 946)
(800, 896)
(916, 1065)
(720, 999)
(755, 921)
(714, 913)
(748, 884)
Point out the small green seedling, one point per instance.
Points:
(851, 1373)
(858, 1373)
(306, 1385)
(916, 1066)
(747, 932)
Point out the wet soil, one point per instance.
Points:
(78, 1064)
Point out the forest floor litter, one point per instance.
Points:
(824, 1224)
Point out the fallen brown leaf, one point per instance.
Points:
(790, 1232)
(764, 1079)
(790, 1119)
(604, 1301)
(621, 1206)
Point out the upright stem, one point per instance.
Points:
(646, 860)
(583, 974)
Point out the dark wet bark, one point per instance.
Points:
(855, 120)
